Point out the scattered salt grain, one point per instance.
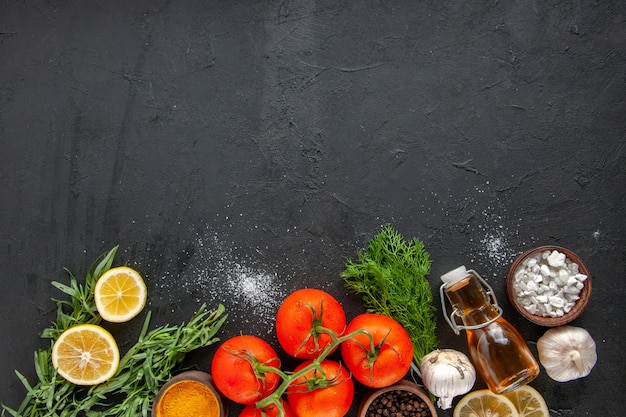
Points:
(250, 291)
(548, 284)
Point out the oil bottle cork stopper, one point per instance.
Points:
(454, 276)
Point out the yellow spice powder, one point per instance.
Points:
(188, 399)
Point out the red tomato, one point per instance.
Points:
(298, 318)
(233, 371)
(384, 363)
(313, 395)
(270, 411)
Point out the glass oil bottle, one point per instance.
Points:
(500, 354)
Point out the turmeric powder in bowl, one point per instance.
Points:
(190, 394)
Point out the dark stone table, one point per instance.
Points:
(239, 150)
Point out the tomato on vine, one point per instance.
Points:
(302, 318)
(328, 393)
(240, 369)
(383, 357)
(269, 411)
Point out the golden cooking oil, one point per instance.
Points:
(499, 352)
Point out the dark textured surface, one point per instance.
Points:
(221, 143)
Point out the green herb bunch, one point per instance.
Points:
(142, 370)
(390, 275)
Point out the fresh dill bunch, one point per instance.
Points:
(141, 372)
(390, 275)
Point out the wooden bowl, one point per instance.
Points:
(403, 385)
(201, 383)
(579, 305)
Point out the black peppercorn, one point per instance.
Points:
(398, 403)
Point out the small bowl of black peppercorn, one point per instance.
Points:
(402, 399)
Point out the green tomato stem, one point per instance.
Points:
(289, 378)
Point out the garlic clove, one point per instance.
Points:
(567, 353)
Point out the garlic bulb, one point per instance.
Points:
(447, 373)
(567, 353)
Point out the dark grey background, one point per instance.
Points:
(239, 150)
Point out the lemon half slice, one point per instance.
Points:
(528, 402)
(484, 403)
(86, 355)
(120, 294)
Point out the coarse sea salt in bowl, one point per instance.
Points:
(549, 285)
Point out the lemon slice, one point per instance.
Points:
(86, 355)
(484, 403)
(528, 402)
(120, 294)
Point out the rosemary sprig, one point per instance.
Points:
(150, 362)
(141, 372)
(390, 275)
(81, 305)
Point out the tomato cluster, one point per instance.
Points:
(311, 324)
